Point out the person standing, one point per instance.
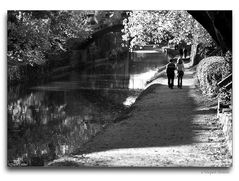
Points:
(185, 52)
(181, 52)
(170, 68)
(180, 69)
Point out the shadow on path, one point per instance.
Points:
(160, 117)
(164, 128)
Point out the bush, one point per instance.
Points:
(210, 71)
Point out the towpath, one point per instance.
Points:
(165, 128)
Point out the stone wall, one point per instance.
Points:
(78, 57)
(225, 119)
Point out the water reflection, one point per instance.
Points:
(55, 119)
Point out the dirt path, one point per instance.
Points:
(166, 128)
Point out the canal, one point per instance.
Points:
(54, 119)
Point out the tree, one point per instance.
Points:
(145, 27)
(34, 34)
(158, 26)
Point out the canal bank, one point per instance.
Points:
(164, 128)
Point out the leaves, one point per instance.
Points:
(33, 34)
(146, 27)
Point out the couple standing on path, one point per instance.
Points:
(170, 68)
(183, 52)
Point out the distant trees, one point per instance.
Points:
(145, 27)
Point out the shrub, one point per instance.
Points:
(210, 71)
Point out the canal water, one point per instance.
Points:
(54, 119)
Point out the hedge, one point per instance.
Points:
(209, 72)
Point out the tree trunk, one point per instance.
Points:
(193, 55)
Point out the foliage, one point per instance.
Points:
(26, 40)
(108, 18)
(33, 34)
(210, 71)
(145, 27)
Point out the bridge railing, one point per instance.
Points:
(227, 82)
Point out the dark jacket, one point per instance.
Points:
(170, 68)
